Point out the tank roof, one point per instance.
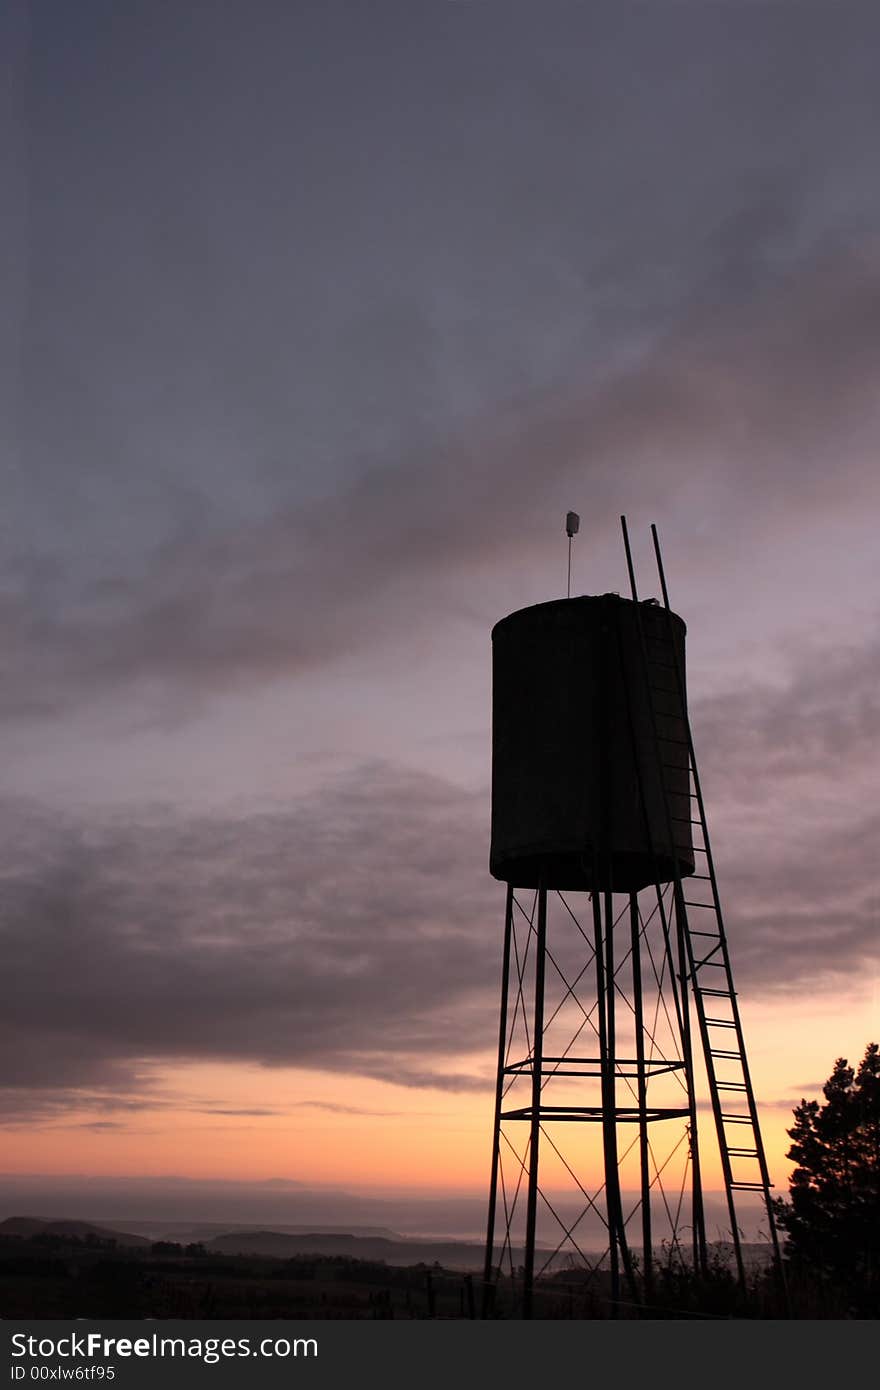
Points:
(576, 600)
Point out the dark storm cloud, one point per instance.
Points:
(789, 772)
(310, 300)
(755, 404)
(802, 907)
(356, 932)
(320, 319)
(821, 721)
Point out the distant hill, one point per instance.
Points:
(286, 1244)
(25, 1226)
(186, 1231)
(463, 1255)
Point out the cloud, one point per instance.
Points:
(332, 1108)
(260, 1111)
(357, 931)
(820, 723)
(753, 399)
(103, 1085)
(788, 772)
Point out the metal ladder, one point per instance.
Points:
(741, 1149)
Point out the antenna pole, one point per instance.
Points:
(572, 523)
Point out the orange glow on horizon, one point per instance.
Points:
(358, 1134)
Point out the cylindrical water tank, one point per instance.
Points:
(590, 775)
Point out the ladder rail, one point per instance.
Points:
(765, 1185)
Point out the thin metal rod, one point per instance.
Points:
(610, 1102)
(642, 1088)
(697, 1212)
(629, 560)
(660, 571)
(537, 1063)
(750, 1094)
(609, 1108)
(683, 935)
(607, 1129)
(499, 1097)
(604, 993)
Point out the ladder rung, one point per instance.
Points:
(710, 906)
(731, 1086)
(718, 1022)
(713, 934)
(724, 1052)
(737, 1119)
(715, 964)
(688, 820)
(718, 993)
(742, 1153)
(748, 1186)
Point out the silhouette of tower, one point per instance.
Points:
(619, 1019)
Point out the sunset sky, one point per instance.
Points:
(318, 317)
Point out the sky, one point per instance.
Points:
(319, 319)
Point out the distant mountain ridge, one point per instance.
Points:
(187, 1231)
(400, 1251)
(391, 1248)
(359, 1244)
(26, 1226)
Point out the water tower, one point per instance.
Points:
(620, 1027)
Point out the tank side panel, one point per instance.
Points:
(671, 718)
(577, 788)
(544, 778)
(659, 767)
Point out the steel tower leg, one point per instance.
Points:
(642, 1092)
(697, 1213)
(499, 1099)
(605, 987)
(537, 1073)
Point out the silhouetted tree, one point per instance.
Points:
(832, 1222)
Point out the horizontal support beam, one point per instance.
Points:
(625, 1115)
(654, 1067)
